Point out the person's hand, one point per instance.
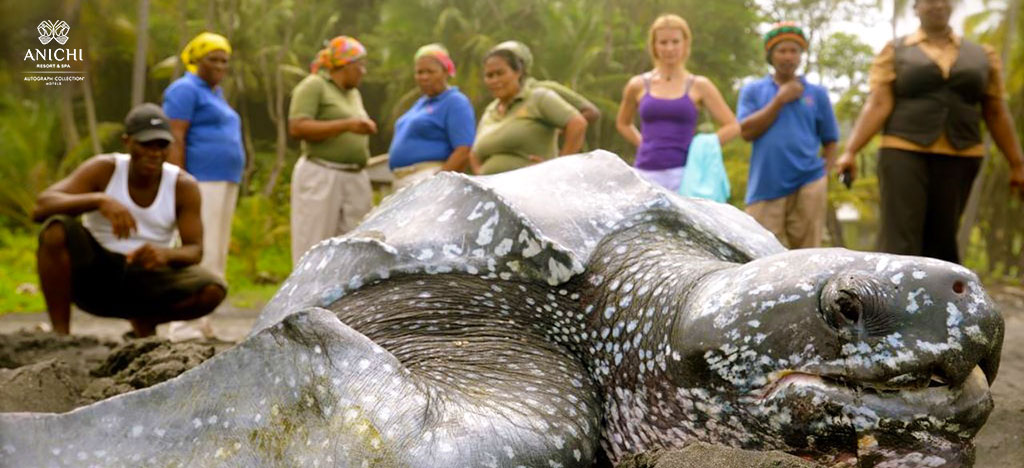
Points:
(534, 159)
(148, 257)
(362, 126)
(847, 164)
(1017, 181)
(121, 219)
(790, 91)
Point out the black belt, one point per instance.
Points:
(345, 167)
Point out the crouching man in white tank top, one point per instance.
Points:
(118, 261)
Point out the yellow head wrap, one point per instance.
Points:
(201, 45)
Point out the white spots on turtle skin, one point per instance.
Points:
(558, 273)
(953, 321)
(912, 305)
(486, 234)
(355, 282)
(425, 254)
(504, 247)
(451, 251)
(974, 332)
(532, 246)
(897, 278)
(446, 215)
(919, 275)
(479, 209)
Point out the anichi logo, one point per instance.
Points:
(51, 63)
(53, 31)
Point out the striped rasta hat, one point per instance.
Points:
(784, 31)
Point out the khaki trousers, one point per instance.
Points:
(798, 219)
(325, 203)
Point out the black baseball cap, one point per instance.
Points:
(147, 122)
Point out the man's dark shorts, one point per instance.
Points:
(102, 283)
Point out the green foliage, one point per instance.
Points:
(260, 251)
(27, 130)
(736, 157)
(844, 60)
(109, 134)
(19, 290)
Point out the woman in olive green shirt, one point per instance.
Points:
(330, 190)
(520, 127)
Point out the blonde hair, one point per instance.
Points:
(669, 21)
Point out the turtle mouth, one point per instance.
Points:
(877, 419)
(797, 378)
(936, 395)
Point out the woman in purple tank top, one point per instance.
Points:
(668, 100)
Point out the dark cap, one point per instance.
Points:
(147, 122)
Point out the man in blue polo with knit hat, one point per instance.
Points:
(794, 132)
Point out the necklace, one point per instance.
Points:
(667, 77)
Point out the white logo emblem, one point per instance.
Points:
(50, 31)
(155, 121)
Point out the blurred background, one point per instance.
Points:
(131, 52)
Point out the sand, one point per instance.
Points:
(43, 372)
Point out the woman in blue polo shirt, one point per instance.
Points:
(437, 132)
(208, 143)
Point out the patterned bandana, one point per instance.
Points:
(201, 45)
(340, 51)
(437, 51)
(784, 31)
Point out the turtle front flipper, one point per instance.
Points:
(312, 391)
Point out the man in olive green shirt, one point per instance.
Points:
(330, 190)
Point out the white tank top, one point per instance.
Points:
(154, 224)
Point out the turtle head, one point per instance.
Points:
(839, 354)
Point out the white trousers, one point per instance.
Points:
(216, 212)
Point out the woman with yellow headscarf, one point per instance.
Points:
(208, 144)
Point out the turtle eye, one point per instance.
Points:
(856, 303)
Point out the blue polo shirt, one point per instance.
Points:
(432, 129)
(787, 155)
(213, 144)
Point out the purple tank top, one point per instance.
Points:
(667, 127)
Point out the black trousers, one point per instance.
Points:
(923, 196)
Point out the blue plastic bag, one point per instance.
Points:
(704, 176)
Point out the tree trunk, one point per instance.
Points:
(833, 226)
(211, 15)
(67, 120)
(250, 149)
(66, 109)
(179, 67)
(141, 44)
(970, 217)
(280, 118)
(90, 114)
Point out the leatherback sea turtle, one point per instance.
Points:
(537, 317)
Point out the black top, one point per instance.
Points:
(926, 103)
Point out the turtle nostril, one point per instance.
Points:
(959, 287)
